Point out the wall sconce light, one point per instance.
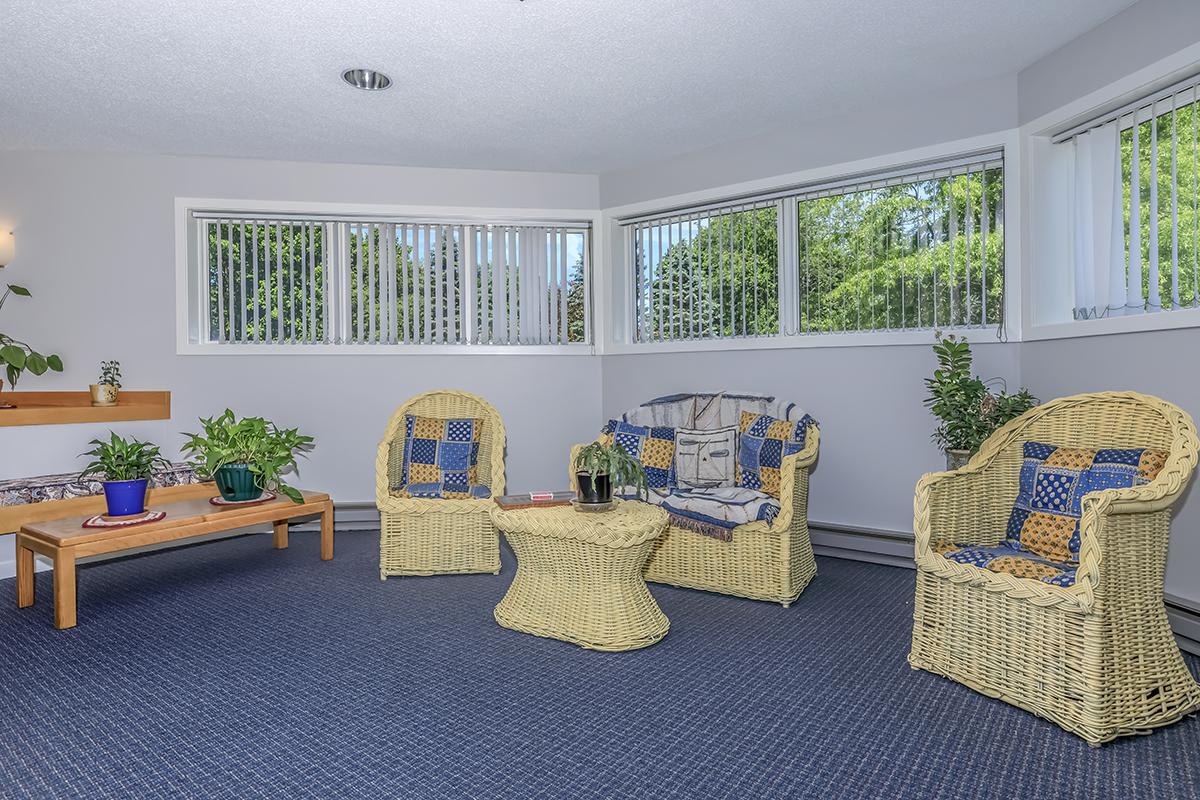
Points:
(7, 249)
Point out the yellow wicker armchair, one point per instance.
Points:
(433, 537)
(764, 561)
(1097, 658)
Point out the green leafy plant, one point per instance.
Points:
(110, 373)
(622, 470)
(268, 451)
(17, 356)
(121, 459)
(969, 410)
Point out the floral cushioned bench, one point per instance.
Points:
(23, 491)
(732, 472)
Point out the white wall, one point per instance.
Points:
(95, 244)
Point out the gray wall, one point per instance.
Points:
(907, 123)
(868, 400)
(95, 242)
(1135, 38)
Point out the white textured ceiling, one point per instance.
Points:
(561, 85)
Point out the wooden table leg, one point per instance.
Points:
(281, 534)
(64, 588)
(25, 581)
(327, 532)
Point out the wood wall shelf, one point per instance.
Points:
(62, 408)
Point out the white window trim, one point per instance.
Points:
(183, 314)
(1038, 133)
(615, 280)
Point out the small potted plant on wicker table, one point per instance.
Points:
(600, 467)
(969, 411)
(127, 465)
(246, 457)
(108, 388)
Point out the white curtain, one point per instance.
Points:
(1100, 268)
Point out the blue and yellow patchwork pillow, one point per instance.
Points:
(762, 444)
(1003, 558)
(440, 457)
(1045, 517)
(653, 447)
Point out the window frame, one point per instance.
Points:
(619, 269)
(191, 309)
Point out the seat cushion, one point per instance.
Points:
(654, 448)
(714, 512)
(441, 452)
(438, 491)
(1005, 558)
(1045, 516)
(762, 444)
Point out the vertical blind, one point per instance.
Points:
(385, 282)
(1135, 208)
(907, 249)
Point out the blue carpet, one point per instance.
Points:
(234, 670)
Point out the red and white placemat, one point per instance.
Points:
(102, 521)
(265, 497)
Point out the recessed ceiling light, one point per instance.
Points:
(367, 79)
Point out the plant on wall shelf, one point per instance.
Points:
(107, 389)
(246, 456)
(599, 467)
(968, 410)
(17, 356)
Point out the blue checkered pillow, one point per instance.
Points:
(654, 448)
(440, 457)
(763, 443)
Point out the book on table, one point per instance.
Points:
(535, 499)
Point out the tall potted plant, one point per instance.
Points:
(968, 410)
(127, 466)
(246, 456)
(600, 467)
(17, 356)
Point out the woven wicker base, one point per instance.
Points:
(586, 590)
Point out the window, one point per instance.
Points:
(914, 248)
(274, 280)
(1135, 207)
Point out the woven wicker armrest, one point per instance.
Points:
(960, 507)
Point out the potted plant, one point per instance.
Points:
(126, 465)
(968, 410)
(17, 356)
(106, 390)
(246, 456)
(600, 467)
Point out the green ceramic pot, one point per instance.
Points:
(236, 483)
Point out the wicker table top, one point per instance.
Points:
(628, 524)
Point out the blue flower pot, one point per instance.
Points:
(236, 483)
(125, 498)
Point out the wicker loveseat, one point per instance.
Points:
(762, 560)
(419, 536)
(1097, 657)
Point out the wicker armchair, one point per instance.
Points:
(1097, 658)
(764, 561)
(434, 536)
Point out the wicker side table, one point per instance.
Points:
(579, 576)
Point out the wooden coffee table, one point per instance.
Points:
(65, 540)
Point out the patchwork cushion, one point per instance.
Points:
(763, 443)
(1005, 558)
(654, 448)
(437, 491)
(1045, 516)
(442, 453)
(705, 459)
